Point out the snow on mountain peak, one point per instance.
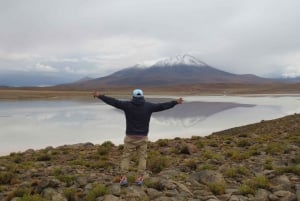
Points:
(171, 61)
(180, 60)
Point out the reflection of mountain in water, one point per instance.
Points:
(191, 113)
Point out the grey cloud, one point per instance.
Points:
(98, 37)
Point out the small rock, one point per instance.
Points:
(116, 189)
(262, 195)
(208, 176)
(285, 195)
(110, 198)
(163, 199)
(172, 193)
(192, 148)
(153, 193)
(273, 197)
(234, 198)
(81, 181)
(298, 191)
(282, 182)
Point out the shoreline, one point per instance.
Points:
(205, 89)
(26, 94)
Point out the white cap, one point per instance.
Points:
(137, 93)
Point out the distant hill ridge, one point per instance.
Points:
(178, 70)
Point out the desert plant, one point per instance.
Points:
(70, 194)
(61, 176)
(191, 163)
(274, 148)
(207, 154)
(43, 157)
(157, 162)
(96, 191)
(68, 179)
(199, 143)
(235, 171)
(243, 135)
(217, 188)
(28, 197)
(268, 164)
(288, 169)
(6, 177)
(21, 191)
(245, 189)
(243, 143)
(163, 142)
(205, 166)
(250, 186)
(107, 144)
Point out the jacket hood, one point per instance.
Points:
(138, 100)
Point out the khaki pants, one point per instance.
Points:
(134, 145)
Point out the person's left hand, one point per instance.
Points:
(179, 100)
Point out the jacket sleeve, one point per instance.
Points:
(157, 107)
(112, 101)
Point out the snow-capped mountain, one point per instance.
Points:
(180, 60)
(171, 71)
(184, 59)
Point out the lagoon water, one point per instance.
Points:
(38, 124)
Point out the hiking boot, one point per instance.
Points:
(139, 181)
(123, 181)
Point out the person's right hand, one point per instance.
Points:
(96, 94)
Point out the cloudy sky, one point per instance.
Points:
(77, 38)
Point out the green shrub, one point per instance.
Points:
(243, 135)
(191, 163)
(121, 147)
(68, 179)
(274, 148)
(288, 169)
(96, 191)
(107, 144)
(199, 144)
(243, 143)
(205, 166)
(21, 191)
(6, 177)
(251, 185)
(245, 189)
(268, 164)
(61, 176)
(70, 194)
(2, 189)
(105, 148)
(35, 197)
(217, 188)
(235, 171)
(230, 172)
(16, 157)
(155, 184)
(163, 142)
(43, 157)
(156, 162)
(237, 155)
(207, 154)
(184, 150)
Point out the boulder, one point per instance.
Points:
(285, 195)
(208, 176)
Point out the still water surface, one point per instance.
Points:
(37, 124)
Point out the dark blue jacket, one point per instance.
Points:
(138, 112)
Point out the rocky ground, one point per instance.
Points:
(258, 162)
